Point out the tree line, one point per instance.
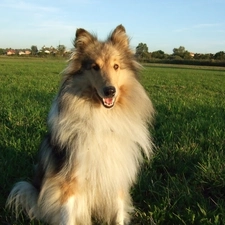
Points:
(180, 55)
(60, 50)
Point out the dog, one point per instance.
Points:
(98, 135)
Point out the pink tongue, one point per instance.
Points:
(108, 100)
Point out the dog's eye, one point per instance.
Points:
(116, 66)
(95, 66)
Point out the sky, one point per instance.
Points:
(198, 25)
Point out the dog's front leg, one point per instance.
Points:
(67, 215)
(124, 208)
(120, 213)
(75, 212)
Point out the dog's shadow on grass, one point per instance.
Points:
(14, 166)
(23, 124)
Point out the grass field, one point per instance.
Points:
(185, 181)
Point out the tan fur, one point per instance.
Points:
(68, 188)
(98, 130)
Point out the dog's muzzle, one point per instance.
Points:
(109, 96)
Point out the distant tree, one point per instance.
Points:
(181, 52)
(2, 51)
(219, 55)
(203, 56)
(142, 51)
(175, 57)
(158, 54)
(34, 50)
(197, 56)
(187, 55)
(61, 49)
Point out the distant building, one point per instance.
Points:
(27, 52)
(11, 52)
(21, 53)
(192, 54)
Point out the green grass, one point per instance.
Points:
(185, 181)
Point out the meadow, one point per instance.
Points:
(185, 181)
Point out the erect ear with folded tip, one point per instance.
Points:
(83, 38)
(119, 36)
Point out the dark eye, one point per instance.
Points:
(116, 66)
(95, 66)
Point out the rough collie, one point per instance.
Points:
(98, 133)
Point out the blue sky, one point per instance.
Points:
(198, 25)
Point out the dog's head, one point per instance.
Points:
(105, 67)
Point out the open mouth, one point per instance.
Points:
(109, 96)
(108, 102)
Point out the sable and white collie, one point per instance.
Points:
(98, 131)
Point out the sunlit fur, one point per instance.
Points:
(91, 155)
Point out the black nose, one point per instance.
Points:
(109, 91)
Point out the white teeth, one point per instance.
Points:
(108, 102)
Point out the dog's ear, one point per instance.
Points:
(119, 36)
(83, 38)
